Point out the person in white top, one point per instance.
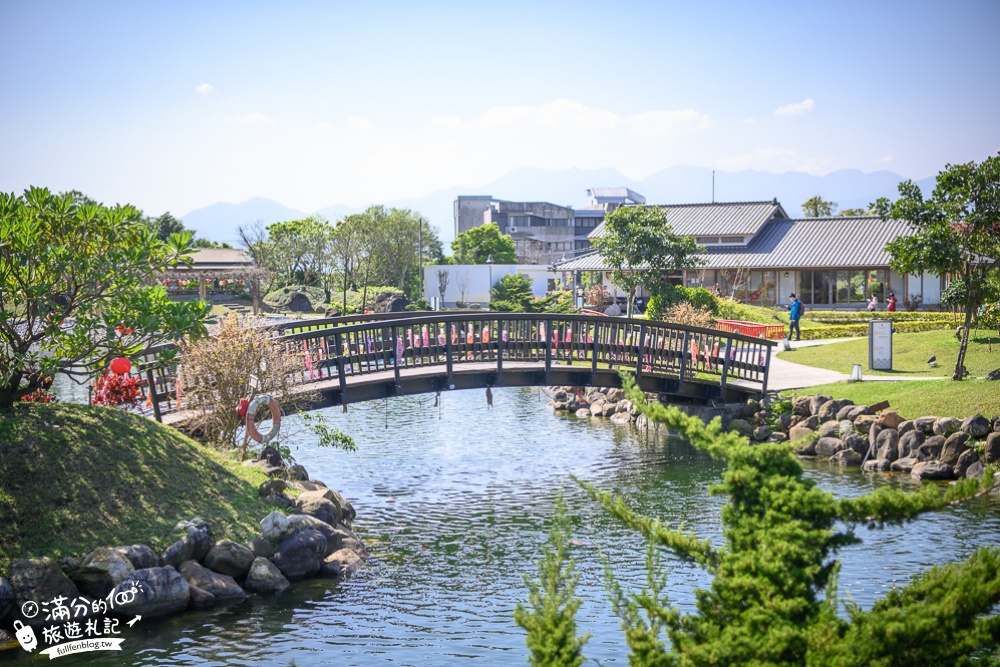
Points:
(873, 304)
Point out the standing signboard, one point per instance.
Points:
(880, 345)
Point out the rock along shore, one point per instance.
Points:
(196, 571)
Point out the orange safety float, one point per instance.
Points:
(272, 432)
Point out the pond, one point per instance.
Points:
(456, 499)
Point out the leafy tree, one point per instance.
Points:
(774, 594)
(512, 293)
(640, 246)
(77, 287)
(300, 249)
(956, 231)
(205, 243)
(856, 212)
(165, 225)
(476, 245)
(551, 618)
(817, 207)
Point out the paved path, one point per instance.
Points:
(790, 375)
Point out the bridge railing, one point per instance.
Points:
(339, 349)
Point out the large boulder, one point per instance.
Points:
(931, 449)
(845, 429)
(905, 427)
(229, 558)
(798, 432)
(300, 555)
(390, 302)
(276, 527)
(342, 563)
(830, 409)
(847, 458)
(742, 427)
(965, 461)
(615, 394)
(806, 447)
(946, 426)
(319, 504)
(976, 470)
(954, 446)
(857, 442)
(910, 441)
(925, 424)
(992, 452)
(622, 418)
(38, 580)
(6, 597)
(827, 447)
(265, 578)
(858, 411)
(800, 406)
(101, 571)
(260, 547)
(817, 402)
(155, 591)
(830, 429)
(889, 419)
(193, 546)
(865, 422)
(299, 302)
(977, 426)
(140, 555)
(932, 470)
(845, 412)
(876, 465)
(762, 433)
(904, 464)
(209, 588)
(887, 445)
(333, 536)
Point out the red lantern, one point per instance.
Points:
(121, 365)
(244, 406)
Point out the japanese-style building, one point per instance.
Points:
(755, 253)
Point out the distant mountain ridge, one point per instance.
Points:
(682, 184)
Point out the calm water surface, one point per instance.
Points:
(455, 501)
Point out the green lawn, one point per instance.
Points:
(77, 477)
(941, 398)
(910, 353)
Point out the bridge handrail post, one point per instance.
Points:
(548, 352)
(642, 344)
(498, 342)
(593, 352)
(341, 380)
(154, 398)
(395, 346)
(684, 352)
(725, 364)
(767, 367)
(449, 353)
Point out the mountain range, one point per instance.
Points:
(849, 188)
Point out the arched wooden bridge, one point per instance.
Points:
(350, 359)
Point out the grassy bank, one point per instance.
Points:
(942, 398)
(910, 353)
(77, 477)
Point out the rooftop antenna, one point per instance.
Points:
(713, 186)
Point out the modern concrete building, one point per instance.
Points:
(543, 233)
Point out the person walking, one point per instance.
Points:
(891, 303)
(795, 310)
(873, 304)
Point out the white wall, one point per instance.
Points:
(478, 277)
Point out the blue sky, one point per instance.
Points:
(174, 106)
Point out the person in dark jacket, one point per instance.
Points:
(794, 315)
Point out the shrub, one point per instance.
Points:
(689, 315)
(117, 391)
(514, 290)
(597, 296)
(216, 373)
(280, 298)
(912, 302)
(363, 300)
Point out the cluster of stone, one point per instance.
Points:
(926, 447)
(587, 402)
(196, 571)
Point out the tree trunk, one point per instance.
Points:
(631, 302)
(960, 362)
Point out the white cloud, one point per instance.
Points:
(252, 118)
(204, 88)
(681, 121)
(358, 123)
(565, 114)
(804, 106)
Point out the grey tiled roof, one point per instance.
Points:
(713, 219)
(807, 243)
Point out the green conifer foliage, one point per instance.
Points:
(549, 617)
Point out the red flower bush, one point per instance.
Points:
(39, 396)
(118, 391)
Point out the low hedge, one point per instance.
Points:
(851, 316)
(857, 330)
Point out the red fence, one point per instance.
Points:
(753, 329)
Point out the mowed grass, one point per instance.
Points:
(918, 398)
(77, 477)
(910, 352)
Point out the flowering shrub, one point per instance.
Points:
(39, 396)
(119, 391)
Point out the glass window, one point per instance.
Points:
(842, 295)
(858, 280)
